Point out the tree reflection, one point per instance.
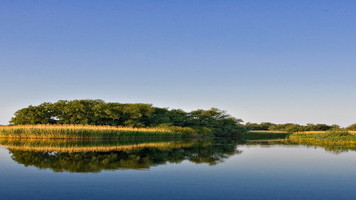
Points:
(332, 148)
(210, 152)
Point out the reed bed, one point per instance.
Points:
(317, 132)
(312, 132)
(87, 131)
(327, 138)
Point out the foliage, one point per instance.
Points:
(264, 135)
(90, 131)
(291, 128)
(264, 126)
(97, 112)
(336, 137)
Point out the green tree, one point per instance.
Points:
(97, 112)
(41, 114)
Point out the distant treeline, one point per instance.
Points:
(290, 127)
(98, 112)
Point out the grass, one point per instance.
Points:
(316, 132)
(89, 131)
(336, 137)
(325, 137)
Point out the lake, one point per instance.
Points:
(187, 169)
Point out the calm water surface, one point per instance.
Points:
(175, 170)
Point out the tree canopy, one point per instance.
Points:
(98, 112)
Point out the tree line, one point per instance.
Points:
(291, 127)
(98, 112)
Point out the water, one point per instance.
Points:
(220, 169)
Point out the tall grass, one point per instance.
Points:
(329, 137)
(335, 131)
(89, 131)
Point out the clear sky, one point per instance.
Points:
(279, 61)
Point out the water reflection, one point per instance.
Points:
(276, 169)
(335, 149)
(98, 155)
(95, 156)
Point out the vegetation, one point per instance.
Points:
(290, 127)
(325, 138)
(90, 131)
(96, 118)
(264, 135)
(97, 112)
(264, 126)
(310, 134)
(329, 137)
(352, 127)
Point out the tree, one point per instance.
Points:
(41, 114)
(262, 126)
(98, 112)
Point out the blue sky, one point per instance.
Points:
(278, 61)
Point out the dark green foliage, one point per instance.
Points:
(264, 126)
(41, 114)
(179, 117)
(291, 128)
(264, 136)
(97, 112)
(221, 123)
